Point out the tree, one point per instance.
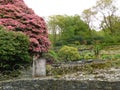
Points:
(53, 28)
(111, 23)
(106, 9)
(67, 28)
(16, 16)
(88, 16)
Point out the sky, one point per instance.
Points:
(45, 8)
(54, 7)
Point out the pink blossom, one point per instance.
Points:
(15, 15)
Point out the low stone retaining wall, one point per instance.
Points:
(46, 84)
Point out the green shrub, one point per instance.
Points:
(77, 43)
(106, 57)
(51, 56)
(68, 53)
(89, 55)
(117, 56)
(13, 49)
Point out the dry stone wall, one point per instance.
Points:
(52, 84)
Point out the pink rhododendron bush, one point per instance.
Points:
(16, 16)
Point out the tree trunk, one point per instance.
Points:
(39, 67)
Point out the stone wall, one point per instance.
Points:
(51, 84)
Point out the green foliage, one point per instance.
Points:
(117, 56)
(106, 57)
(111, 39)
(89, 55)
(66, 29)
(77, 43)
(110, 57)
(51, 56)
(97, 50)
(13, 49)
(67, 53)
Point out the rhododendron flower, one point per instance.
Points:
(16, 16)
